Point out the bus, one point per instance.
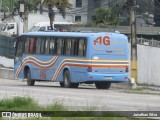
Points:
(72, 58)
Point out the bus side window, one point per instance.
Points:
(27, 41)
(38, 47)
(76, 44)
(67, 47)
(52, 47)
(20, 49)
(63, 46)
(32, 46)
(73, 47)
(81, 48)
(47, 46)
(43, 45)
(59, 46)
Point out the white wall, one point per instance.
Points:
(6, 62)
(148, 65)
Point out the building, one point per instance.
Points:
(157, 13)
(79, 11)
(83, 10)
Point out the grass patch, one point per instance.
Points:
(138, 89)
(55, 111)
(27, 104)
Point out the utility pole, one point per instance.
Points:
(25, 19)
(133, 40)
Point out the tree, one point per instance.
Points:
(61, 5)
(30, 5)
(105, 16)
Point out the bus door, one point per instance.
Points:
(18, 56)
(109, 54)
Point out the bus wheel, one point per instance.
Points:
(61, 84)
(30, 82)
(67, 81)
(103, 85)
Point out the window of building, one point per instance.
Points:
(97, 3)
(78, 3)
(77, 18)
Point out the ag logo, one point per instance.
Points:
(102, 41)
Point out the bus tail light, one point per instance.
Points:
(127, 69)
(89, 69)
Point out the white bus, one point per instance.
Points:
(45, 26)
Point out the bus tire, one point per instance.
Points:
(103, 85)
(30, 82)
(67, 80)
(61, 84)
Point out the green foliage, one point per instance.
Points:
(62, 5)
(55, 107)
(28, 104)
(18, 103)
(10, 5)
(105, 16)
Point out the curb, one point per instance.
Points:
(6, 73)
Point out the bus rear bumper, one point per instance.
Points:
(108, 77)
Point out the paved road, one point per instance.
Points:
(84, 96)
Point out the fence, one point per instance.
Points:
(148, 65)
(148, 58)
(7, 46)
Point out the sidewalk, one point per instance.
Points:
(146, 89)
(6, 73)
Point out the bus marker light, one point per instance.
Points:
(95, 58)
(89, 69)
(127, 69)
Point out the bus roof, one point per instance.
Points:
(69, 34)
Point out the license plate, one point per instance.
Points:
(108, 78)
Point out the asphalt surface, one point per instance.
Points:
(118, 97)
